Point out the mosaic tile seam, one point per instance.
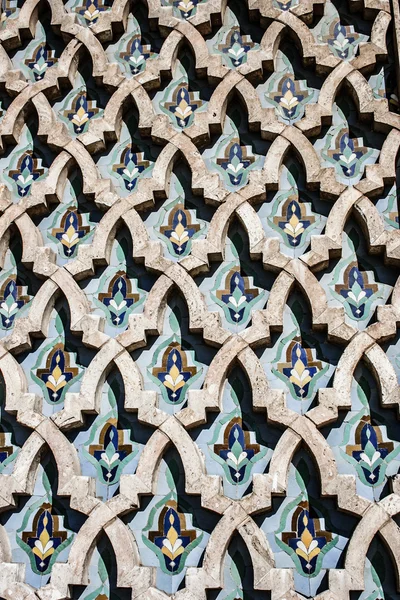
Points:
(199, 298)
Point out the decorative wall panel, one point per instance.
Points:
(199, 300)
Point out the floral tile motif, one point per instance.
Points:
(283, 92)
(70, 225)
(88, 11)
(233, 447)
(14, 297)
(237, 297)
(70, 232)
(39, 56)
(306, 540)
(110, 452)
(177, 101)
(12, 300)
(129, 161)
(233, 290)
(295, 367)
(343, 40)
(174, 368)
(347, 155)
(172, 538)
(79, 108)
(109, 447)
(116, 294)
(26, 167)
(232, 161)
(183, 9)
(42, 535)
(178, 226)
(132, 53)
(230, 44)
(290, 216)
(132, 164)
(299, 534)
(119, 300)
(363, 444)
(56, 370)
(169, 533)
(354, 288)
(56, 376)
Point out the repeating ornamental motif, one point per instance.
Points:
(183, 9)
(233, 161)
(40, 57)
(71, 224)
(234, 291)
(171, 537)
(343, 41)
(45, 537)
(132, 53)
(288, 96)
(56, 376)
(42, 534)
(237, 297)
(168, 533)
(177, 101)
(79, 108)
(232, 447)
(356, 289)
(55, 369)
(177, 225)
(131, 166)
(119, 300)
(26, 168)
(347, 155)
(306, 539)
(90, 10)
(173, 368)
(303, 536)
(296, 367)
(364, 445)
(291, 217)
(12, 300)
(109, 447)
(230, 44)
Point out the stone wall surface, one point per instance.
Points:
(199, 300)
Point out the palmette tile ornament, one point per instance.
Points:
(288, 96)
(42, 535)
(178, 102)
(230, 43)
(26, 168)
(233, 161)
(199, 300)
